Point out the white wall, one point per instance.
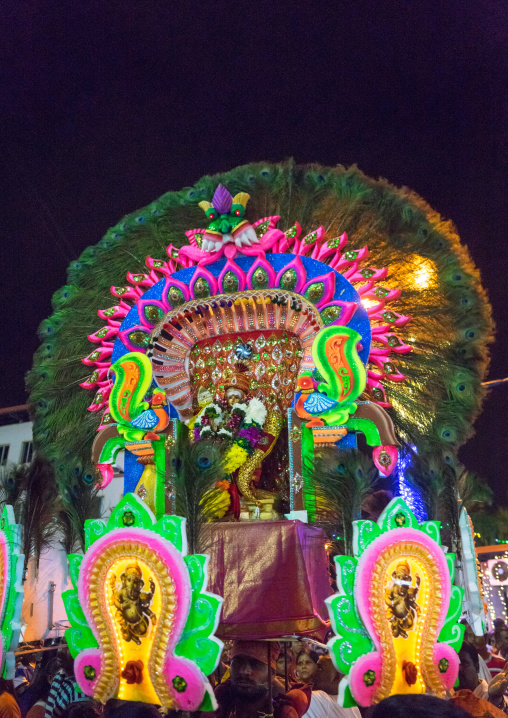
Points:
(14, 435)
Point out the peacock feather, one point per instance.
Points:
(451, 326)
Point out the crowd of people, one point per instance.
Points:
(257, 678)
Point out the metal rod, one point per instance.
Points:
(286, 681)
(269, 656)
(494, 382)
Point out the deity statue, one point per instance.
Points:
(400, 597)
(250, 429)
(132, 604)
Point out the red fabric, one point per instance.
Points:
(235, 500)
(273, 576)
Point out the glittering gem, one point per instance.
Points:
(400, 519)
(94, 356)
(262, 227)
(315, 292)
(93, 377)
(369, 678)
(378, 394)
(351, 255)
(310, 238)
(102, 332)
(384, 459)
(259, 370)
(260, 279)
(128, 519)
(293, 367)
(170, 440)
(254, 385)
(211, 361)
(217, 347)
(153, 313)
(393, 341)
(443, 665)
(207, 349)
(120, 290)
(289, 354)
(271, 398)
(109, 312)
(292, 232)
(266, 356)
(200, 364)
(389, 368)
(216, 374)
(260, 342)
(230, 282)
(179, 684)
(367, 273)
(381, 292)
(174, 253)
(139, 338)
(142, 492)
(330, 314)
(389, 316)
(288, 280)
(201, 288)
(271, 370)
(243, 351)
(277, 355)
(289, 395)
(295, 434)
(272, 340)
(138, 277)
(255, 357)
(334, 243)
(175, 296)
(228, 345)
(276, 382)
(158, 263)
(98, 398)
(89, 673)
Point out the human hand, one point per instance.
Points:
(498, 684)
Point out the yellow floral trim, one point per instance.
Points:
(236, 457)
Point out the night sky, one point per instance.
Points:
(107, 105)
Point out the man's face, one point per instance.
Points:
(249, 677)
(468, 675)
(479, 642)
(502, 641)
(326, 677)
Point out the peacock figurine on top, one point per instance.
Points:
(316, 306)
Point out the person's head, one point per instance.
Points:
(6, 686)
(249, 668)
(499, 623)
(469, 667)
(65, 662)
(479, 642)
(327, 677)
(501, 640)
(416, 706)
(82, 709)
(40, 683)
(129, 709)
(306, 665)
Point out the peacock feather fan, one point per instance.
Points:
(451, 327)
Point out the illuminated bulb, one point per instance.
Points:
(368, 303)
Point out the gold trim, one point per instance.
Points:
(109, 679)
(429, 631)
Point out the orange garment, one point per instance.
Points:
(475, 706)
(8, 706)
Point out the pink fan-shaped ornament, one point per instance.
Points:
(385, 459)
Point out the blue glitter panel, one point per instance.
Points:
(132, 472)
(343, 291)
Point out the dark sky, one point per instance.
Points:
(106, 105)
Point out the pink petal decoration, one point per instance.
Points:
(102, 374)
(127, 292)
(124, 338)
(301, 274)
(328, 248)
(380, 460)
(106, 473)
(230, 266)
(105, 352)
(103, 333)
(261, 263)
(147, 281)
(329, 287)
(346, 314)
(207, 276)
(172, 282)
(119, 311)
(304, 245)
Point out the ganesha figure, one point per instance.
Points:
(248, 428)
(132, 604)
(400, 597)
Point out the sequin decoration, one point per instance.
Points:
(330, 314)
(288, 280)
